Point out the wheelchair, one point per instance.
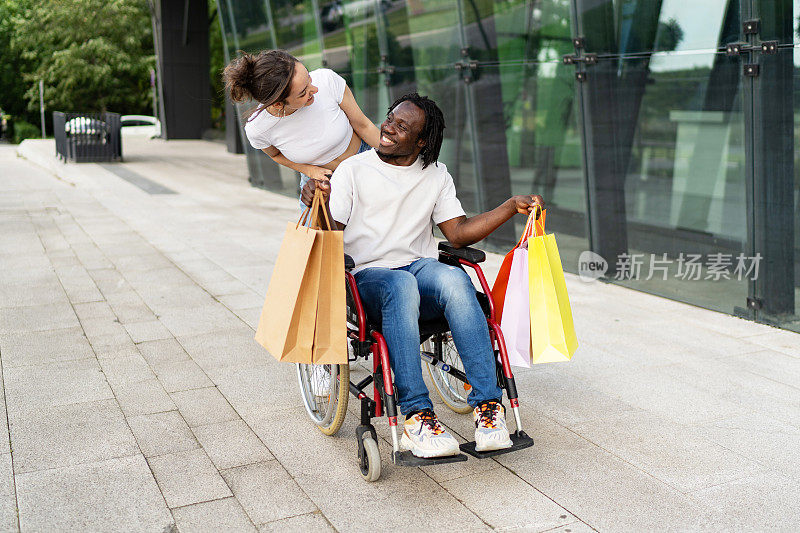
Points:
(325, 389)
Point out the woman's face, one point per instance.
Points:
(302, 91)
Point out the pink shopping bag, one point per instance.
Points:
(516, 319)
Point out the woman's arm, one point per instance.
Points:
(363, 126)
(312, 171)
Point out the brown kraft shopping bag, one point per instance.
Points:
(330, 336)
(286, 325)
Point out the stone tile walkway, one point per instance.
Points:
(136, 399)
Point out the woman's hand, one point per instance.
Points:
(318, 173)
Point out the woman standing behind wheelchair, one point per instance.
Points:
(306, 121)
(309, 122)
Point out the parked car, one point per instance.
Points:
(331, 16)
(140, 125)
(333, 13)
(138, 120)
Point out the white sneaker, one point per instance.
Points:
(491, 432)
(320, 379)
(425, 436)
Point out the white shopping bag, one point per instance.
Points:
(516, 319)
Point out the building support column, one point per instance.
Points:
(181, 31)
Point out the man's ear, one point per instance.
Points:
(421, 142)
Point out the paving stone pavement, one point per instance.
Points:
(135, 398)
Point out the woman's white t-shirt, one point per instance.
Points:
(313, 135)
(390, 210)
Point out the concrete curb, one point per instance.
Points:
(34, 150)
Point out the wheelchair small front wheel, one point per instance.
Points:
(325, 390)
(370, 458)
(451, 390)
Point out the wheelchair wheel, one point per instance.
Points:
(325, 390)
(451, 390)
(370, 459)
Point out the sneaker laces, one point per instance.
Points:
(487, 415)
(428, 418)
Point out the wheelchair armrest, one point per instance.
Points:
(449, 254)
(349, 264)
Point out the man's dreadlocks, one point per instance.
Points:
(433, 131)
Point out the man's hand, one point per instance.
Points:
(524, 204)
(307, 194)
(307, 197)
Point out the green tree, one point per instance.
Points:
(670, 35)
(93, 55)
(12, 87)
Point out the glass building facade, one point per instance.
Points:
(661, 133)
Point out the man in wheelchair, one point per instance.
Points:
(386, 201)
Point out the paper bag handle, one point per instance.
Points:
(324, 208)
(533, 227)
(311, 209)
(538, 224)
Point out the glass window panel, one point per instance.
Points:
(298, 30)
(246, 26)
(435, 37)
(780, 20)
(635, 26)
(433, 33)
(249, 24)
(792, 321)
(781, 206)
(795, 21)
(543, 139)
(685, 186)
(395, 45)
(361, 37)
(338, 49)
(696, 26)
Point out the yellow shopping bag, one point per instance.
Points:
(553, 336)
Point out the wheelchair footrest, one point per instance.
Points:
(407, 458)
(519, 441)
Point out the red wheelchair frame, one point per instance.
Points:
(367, 341)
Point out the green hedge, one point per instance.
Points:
(25, 130)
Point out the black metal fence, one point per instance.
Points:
(85, 137)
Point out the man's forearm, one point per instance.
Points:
(474, 229)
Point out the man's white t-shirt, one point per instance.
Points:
(313, 135)
(390, 210)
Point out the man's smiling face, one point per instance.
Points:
(400, 131)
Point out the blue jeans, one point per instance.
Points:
(398, 298)
(303, 178)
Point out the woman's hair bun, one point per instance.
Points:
(265, 77)
(239, 76)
